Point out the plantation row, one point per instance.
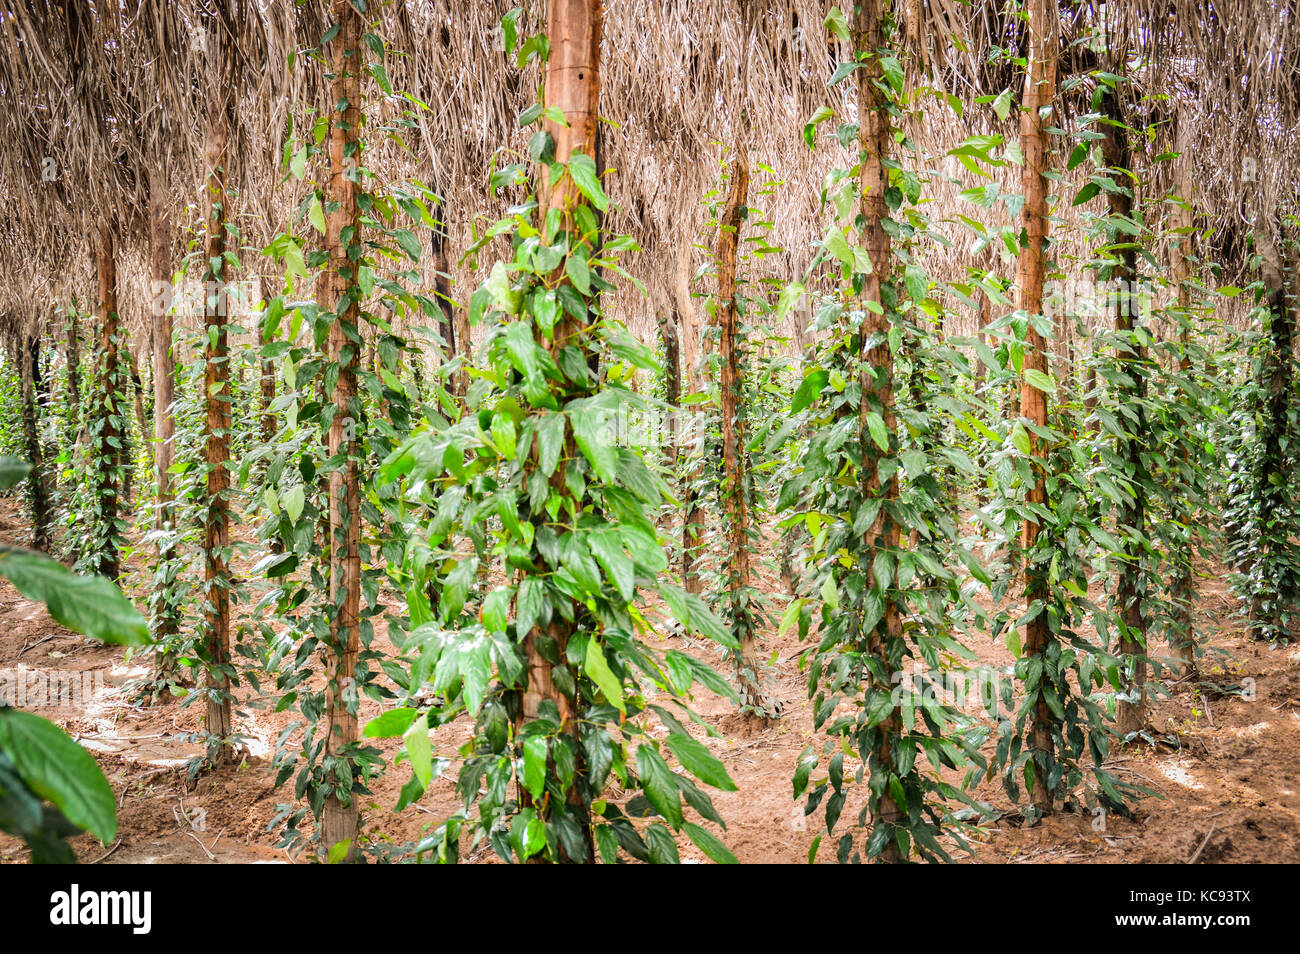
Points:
(339, 495)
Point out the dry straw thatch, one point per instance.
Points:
(101, 101)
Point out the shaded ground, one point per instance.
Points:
(1227, 767)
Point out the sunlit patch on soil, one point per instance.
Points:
(1177, 772)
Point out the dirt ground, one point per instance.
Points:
(1227, 770)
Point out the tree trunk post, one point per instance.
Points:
(217, 401)
(571, 86)
(340, 819)
(1131, 357)
(690, 430)
(735, 479)
(876, 378)
(1182, 589)
(1040, 86)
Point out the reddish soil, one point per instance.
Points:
(1227, 769)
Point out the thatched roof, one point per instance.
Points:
(95, 97)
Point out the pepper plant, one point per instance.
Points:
(884, 605)
(548, 655)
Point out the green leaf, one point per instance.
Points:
(90, 605)
(338, 851)
(522, 349)
(546, 309)
(535, 765)
(810, 128)
(837, 245)
(410, 244)
(830, 593)
(419, 750)
(528, 604)
(1020, 439)
(700, 762)
(1086, 193)
(499, 293)
(476, 670)
(59, 771)
(809, 390)
(893, 71)
(496, 609)
(917, 282)
(790, 616)
(532, 838)
(593, 439)
(693, 613)
(21, 812)
(662, 847)
(293, 501)
(788, 298)
(660, 784)
(390, 725)
(598, 669)
(709, 844)
(582, 168)
(550, 442)
(316, 214)
(803, 770)
(577, 271)
(838, 24)
(879, 433)
(607, 547)
(510, 28)
(503, 434)
(455, 588)
(843, 71)
(1002, 105)
(1039, 380)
